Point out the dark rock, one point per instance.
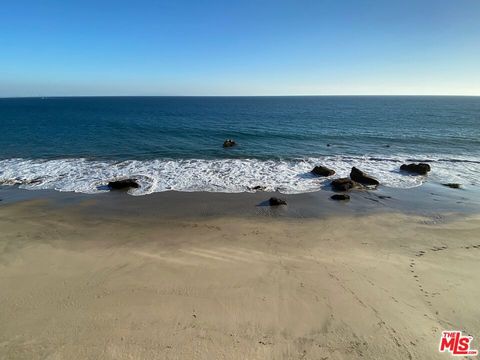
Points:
(340, 197)
(258, 188)
(420, 169)
(342, 184)
(229, 143)
(33, 181)
(362, 178)
(322, 171)
(452, 185)
(273, 201)
(124, 184)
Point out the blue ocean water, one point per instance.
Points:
(76, 144)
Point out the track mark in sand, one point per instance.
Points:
(369, 281)
(205, 255)
(248, 254)
(417, 279)
(431, 251)
(347, 289)
(256, 255)
(439, 248)
(391, 332)
(223, 255)
(426, 294)
(472, 247)
(434, 219)
(204, 226)
(265, 342)
(167, 259)
(193, 256)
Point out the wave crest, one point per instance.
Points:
(224, 175)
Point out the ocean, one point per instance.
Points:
(175, 143)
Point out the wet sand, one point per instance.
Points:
(428, 199)
(84, 278)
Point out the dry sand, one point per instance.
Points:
(73, 286)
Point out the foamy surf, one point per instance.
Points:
(226, 175)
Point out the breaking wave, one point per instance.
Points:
(226, 175)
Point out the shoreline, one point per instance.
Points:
(428, 199)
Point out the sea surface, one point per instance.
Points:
(175, 143)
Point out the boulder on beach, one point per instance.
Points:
(273, 201)
(419, 169)
(362, 178)
(322, 171)
(229, 143)
(342, 184)
(123, 184)
(452, 185)
(340, 197)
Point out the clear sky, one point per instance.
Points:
(258, 47)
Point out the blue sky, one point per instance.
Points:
(260, 47)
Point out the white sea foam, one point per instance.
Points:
(227, 175)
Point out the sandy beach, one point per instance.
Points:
(79, 285)
(239, 180)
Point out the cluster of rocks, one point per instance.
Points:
(357, 180)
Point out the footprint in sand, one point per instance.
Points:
(417, 279)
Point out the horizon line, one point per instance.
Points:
(205, 96)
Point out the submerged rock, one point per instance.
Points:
(420, 168)
(342, 184)
(362, 178)
(452, 185)
(229, 143)
(340, 197)
(273, 201)
(124, 184)
(322, 171)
